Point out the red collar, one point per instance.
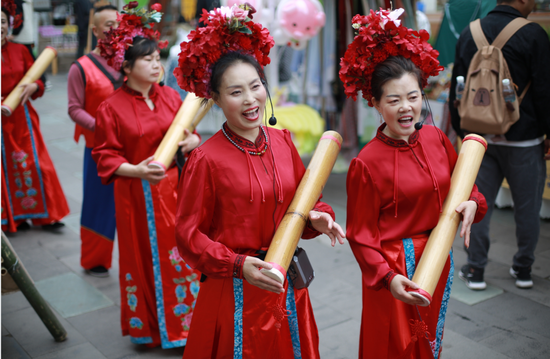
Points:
(393, 142)
(153, 92)
(257, 146)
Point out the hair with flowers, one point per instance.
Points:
(132, 22)
(11, 8)
(227, 29)
(379, 36)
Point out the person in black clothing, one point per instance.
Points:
(82, 14)
(520, 154)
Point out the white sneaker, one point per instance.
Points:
(523, 277)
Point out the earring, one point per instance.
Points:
(381, 118)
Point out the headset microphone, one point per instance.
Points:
(272, 119)
(418, 125)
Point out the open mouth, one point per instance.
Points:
(405, 121)
(252, 114)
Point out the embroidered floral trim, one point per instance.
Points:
(386, 281)
(238, 266)
(393, 142)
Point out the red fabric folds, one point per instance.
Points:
(31, 189)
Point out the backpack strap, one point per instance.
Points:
(509, 31)
(478, 35)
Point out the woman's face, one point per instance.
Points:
(5, 26)
(400, 106)
(146, 69)
(242, 96)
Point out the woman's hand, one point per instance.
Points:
(252, 274)
(322, 222)
(468, 210)
(28, 91)
(398, 287)
(191, 142)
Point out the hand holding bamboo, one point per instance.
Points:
(290, 229)
(34, 73)
(441, 239)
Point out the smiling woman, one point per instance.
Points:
(396, 188)
(130, 124)
(233, 194)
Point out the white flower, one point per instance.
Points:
(393, 16)
(356, 26)
(224, 10)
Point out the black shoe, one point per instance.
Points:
(99, 271)
(523, 276)
(53, 226)
(24, 226)
(473, 277)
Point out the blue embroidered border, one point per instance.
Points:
(141, 340)
(166, 343)
(443, 310)
(408, 246)
(293, 320)
(238, 319)
(38, 172)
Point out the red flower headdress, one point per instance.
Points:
(227, 29)
(379, 36)
(12, 10)
(133, 22)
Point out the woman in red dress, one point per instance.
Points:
(396, 187)
(30, 187)
(233, 193)
(158, 289)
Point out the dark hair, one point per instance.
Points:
(105, 7)
(394, 67)
(228, 60)
(141, 46)
(505, 2)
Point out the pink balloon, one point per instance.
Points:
(302, 19)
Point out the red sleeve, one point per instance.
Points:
(194, 219)
(299, 170)
(108, 152)
(76, 92)
(475, 196)
(363, 210)
(29, 61)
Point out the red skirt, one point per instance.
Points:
(234, 319)
(158, 289)
(30, 187)
(392, 329)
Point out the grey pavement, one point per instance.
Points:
(501, 322)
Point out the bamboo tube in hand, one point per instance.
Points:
(292, 225)
(441, 239)
(35, 72)
(187, 117)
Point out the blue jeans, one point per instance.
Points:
(525, 170)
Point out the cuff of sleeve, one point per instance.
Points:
(238, 266)
(386, 281)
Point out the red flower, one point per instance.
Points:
(132, 5)
(207, 44)
(157, 7)
(373, 44)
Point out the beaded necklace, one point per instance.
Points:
(242, 149)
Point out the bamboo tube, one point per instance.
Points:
(20, 276)
(37, 69)
(441, 239)
(188, 117)
(161, 75)
(290, 229)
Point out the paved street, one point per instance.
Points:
(501, 322)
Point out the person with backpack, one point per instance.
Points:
(490, 54)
